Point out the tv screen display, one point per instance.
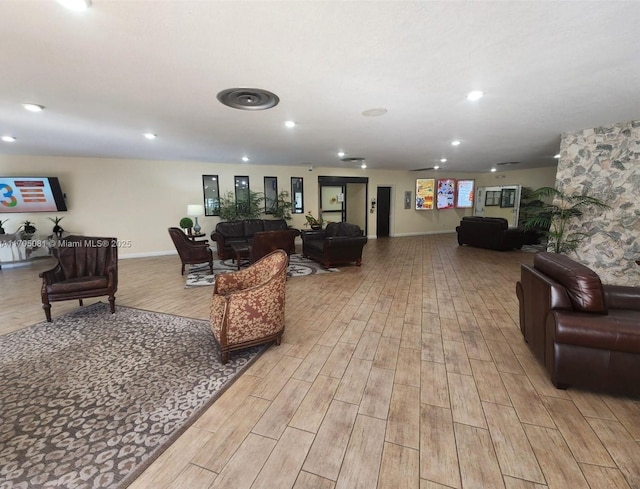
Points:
(31, 194)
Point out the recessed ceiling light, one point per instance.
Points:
(290, 124)
(493, 170)
(8, 139)
(377, 112)
(245, 158)
(557, 156)
(75, 5)
(455, 143)
(33, 107)
(340, 154)
(150, 135)
(443, 160)
(436, 167)
(364, 165)
(475, 95)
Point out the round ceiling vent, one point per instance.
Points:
(248, 98)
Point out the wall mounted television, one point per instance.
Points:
(31, 194)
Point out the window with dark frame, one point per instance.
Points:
(297, 195)
(270, 194)
(211, 192)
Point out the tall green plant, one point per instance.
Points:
(230, 210)
(282, 206)
(558, 216)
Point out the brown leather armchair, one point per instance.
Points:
(339, 242)
(264, 242)
(586, 333)
(247, 306)
(87, 267)
(191, 252)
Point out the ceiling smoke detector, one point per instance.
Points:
(248, 98)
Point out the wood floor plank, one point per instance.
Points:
(432, 349)
(337, 362)
(315, 404)
(277, 416)
(377, 393)
(455, 357)
(558, 466)
(193, 477)
(330, 444)
(285, 461)
(489, 382)
(438, 454)
(526, 401)
(313, 363)
(434, 386)
(604, 477)
(400, 468)
(307, 480)
(512, 483)
(387, 353)
(353, 381)
(511, 444)
(408, 367)
(624, 450)
(479, 467)
(364, 452)
(465, 401)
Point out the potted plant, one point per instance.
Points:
(554, 219)
(313, 222)
(231, 210)
(186, 223)
(57, 229)
(28, 228)
(2, 221)
(282, 206)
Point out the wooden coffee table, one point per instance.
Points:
(241, 250)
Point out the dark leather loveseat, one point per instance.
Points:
(493, 233)
(228, 232)
(585, 333)
(339, 242)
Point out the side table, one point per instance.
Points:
(241, 250)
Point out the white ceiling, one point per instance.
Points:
(125, 67)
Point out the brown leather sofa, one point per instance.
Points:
(492, 233)
(339, 242)
(585, 333)
(242, 231)
(87, 267)
(265, 242)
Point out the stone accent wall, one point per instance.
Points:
(605, 161)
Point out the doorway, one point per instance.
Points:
(344, 199)
(383, 212)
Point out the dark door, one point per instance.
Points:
(383, 199)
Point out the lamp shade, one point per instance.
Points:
(195, 210)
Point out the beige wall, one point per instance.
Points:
(137, 200)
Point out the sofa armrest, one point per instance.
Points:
(622, 297)
(313, 235)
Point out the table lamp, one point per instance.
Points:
(195, 210)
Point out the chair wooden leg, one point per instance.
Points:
(278, 340)
(112, 303)
(224, 357)
(182, 270)
(47, 311)
(80, 301)
(211, 267)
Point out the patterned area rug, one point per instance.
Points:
(299, 266)
(92, 398)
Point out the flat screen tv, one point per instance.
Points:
(31, 194)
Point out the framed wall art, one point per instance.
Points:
(446, 193)
(465, 194)
(425, 189)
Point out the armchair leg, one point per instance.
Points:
(112, 303)
(278, 340)
(224, 357)
(80, 301)
(211, 267)
(47, 311)
(182, 270)
(359, 262)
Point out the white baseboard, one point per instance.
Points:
(401, 235)
(147, 254)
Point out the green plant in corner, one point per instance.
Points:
(230, 210)
(313, 222)
(281, 208)
(557, 217)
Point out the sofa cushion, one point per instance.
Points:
(230, 229)
(332, 229)
(252, 226)
(583, 284)
(78, 284)
(275, 224)
(347, 229)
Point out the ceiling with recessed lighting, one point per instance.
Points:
(383, 81)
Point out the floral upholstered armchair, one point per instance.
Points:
(247, 307)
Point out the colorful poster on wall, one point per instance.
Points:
(424, 193)
(465, 194)
(446, 193)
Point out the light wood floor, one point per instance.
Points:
(407, 372)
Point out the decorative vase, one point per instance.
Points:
(316, 227)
